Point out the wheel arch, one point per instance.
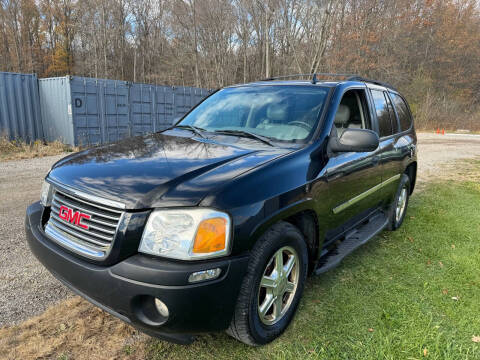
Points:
(301, 215)
(307, 222)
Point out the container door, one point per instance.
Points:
(115, 110)
(86, 111)
(141, 103)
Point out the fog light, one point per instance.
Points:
(204, 275)
(161, 308)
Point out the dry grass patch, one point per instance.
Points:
(462, 170)
(14, 150)
(469, 171)
(73, 329)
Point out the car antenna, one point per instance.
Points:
(314, 78)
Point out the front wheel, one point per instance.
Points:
(400, 203)
(272, 287)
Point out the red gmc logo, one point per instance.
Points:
(74, 217)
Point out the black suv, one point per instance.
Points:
(215, 223)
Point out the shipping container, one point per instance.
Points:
(20, 116)
(87, 111)
(84, 111)
(154, 108)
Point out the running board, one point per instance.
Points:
(352, 241)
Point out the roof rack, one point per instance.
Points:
(361, 78)
(312, 76)
(349, 77)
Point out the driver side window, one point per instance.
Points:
(352, 112)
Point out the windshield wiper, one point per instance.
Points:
(195, 129)
(245, 133)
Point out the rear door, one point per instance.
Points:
(405, 140)
(393, 145)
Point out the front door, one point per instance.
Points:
(352, 177)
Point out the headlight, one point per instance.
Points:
(46, 194)
(187, 234)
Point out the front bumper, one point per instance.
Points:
(127, 289)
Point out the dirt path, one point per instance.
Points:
(439, 155)
(27, 289)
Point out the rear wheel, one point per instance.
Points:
(399, 206)
(272, 287)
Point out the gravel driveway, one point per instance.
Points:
(438, 154)
(27, 289)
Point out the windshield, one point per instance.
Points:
(285, 113)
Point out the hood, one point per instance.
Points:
(162, 169)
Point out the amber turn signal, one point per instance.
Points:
(211, 236)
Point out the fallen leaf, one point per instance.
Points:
(412, 217)
(428, 262)
(455, 298)
(370, 330)
(316, 301)
(445, 291)
(453, 246)
(440, 263)
(411, 239)
(425, 352)
(476, 339)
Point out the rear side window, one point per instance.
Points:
(402, 111)
(383, 115)
(393, 118)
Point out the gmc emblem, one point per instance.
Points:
(74, 217)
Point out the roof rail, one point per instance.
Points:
(376, 82)
(312, 76)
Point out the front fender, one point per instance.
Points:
(279, 215)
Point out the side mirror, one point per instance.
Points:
(354, 140)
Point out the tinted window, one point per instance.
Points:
(402, 111)
(393, 118)
(285, 113)
(383, 116)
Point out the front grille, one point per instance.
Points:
(86, 227)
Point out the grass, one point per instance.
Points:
(409, 294)
(17, 149)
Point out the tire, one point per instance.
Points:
(402, 195)
(247, 325)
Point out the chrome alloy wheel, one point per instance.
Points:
(401, 204)
(278, 285)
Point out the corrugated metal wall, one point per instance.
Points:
(86, 111)
(154, 108)
(20, 116)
